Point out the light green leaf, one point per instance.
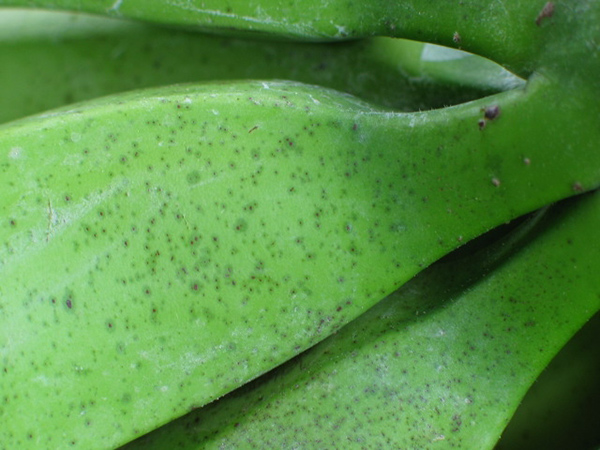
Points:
(442, 363)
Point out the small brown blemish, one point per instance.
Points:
(496, 182)
(69, 303)
(492, 112)
(526, 161)
(546, 12)
(577, 187)
(482, 123)
(456, 38)
(253, 128)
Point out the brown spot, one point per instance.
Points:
(527, 161)
(546, 12)
(482, 123)
(253, 128)
(492, 112)
(577, 187)
(69, 303)
(456, 38)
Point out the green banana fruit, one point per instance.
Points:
(429, 367)
(86, 57)
(234, 225)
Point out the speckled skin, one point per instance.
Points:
(172, 244)
(86, 57)
(431, 366)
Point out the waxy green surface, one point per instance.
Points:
(172, 244)
(175, 243)
(86, 57)
(515, 33)
(559, 409)
(441, 363)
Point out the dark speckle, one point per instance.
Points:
(546, 12)
(492, 112)
(193, 177)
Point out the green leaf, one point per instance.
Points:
(560, 410)
(254, 218)
(443, 362)
(86, 56)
